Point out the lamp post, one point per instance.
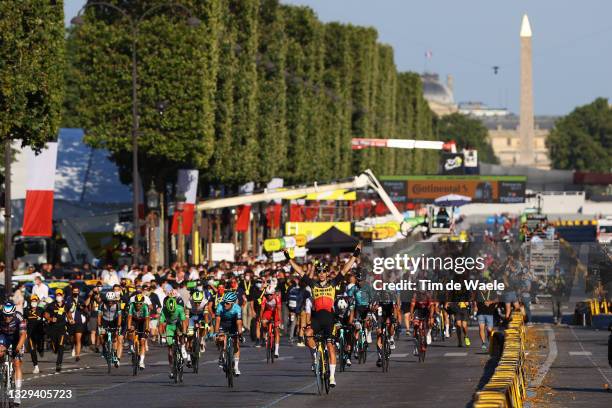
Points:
(153, 206)
(134, 22)
(180, 251)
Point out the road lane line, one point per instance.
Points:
(580, 353)
(284, 397)
(458, 354)
(589, 357)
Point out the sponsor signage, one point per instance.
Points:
(481, 189)
(452, 163)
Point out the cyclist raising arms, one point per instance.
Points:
(172, 315)
(271, 311)
(138, 321)
(323, 297)
(13, 331)
(228, 319)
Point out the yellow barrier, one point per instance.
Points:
(598, 307)
(507, 387)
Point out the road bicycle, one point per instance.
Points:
(386, 348)
(229, 367)
(177, 361)
(420, 338)
(270, 342)
(135, 350)
(361, 344)
(344, 343)
(321, 364)
(7, 379)
(108, 351)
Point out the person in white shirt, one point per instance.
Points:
(193, 274)
(133, 274)
(110, 277)
(40, 289)
(148, 277)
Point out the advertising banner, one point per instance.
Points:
(481, 189)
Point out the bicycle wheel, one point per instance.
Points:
(229, 363)
(318, 371)
(326, 371)
(108, 355)
(195, 355)
(3, 389)
(175, 362)
(341, 347)
(271, 340)
(364, 347)
(135, 355)
(422, 345)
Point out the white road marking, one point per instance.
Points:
(580, 353)
(458, 354)
(400, 355)
(589, 357)
(552, 356)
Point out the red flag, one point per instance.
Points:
(38, 212)
(243, 219)
(273, 215)
(187, 185)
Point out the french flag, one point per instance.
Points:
(187, 185)
(38, 212)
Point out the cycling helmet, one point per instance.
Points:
(8, 309)
(342, 304)
(230, 297)
(171, 304)
(111, 296)
(34, 298)
(139, 298)
(270, 290)
(197, 296)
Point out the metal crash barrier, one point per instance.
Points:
(507, 386)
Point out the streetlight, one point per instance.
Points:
(134, 22)
(180, 207)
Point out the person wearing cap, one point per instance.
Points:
(57, 318)
(35, 328)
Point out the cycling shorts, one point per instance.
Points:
(384, 313)
(172, 330)
(271, 315)
(361, 312)
(322, 323)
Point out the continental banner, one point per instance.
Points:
(481, 189)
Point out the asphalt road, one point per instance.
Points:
(448, 378)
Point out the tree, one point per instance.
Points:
(31, 87)
(468, 133)
(31, 70)
(582, 140)
(176, 71)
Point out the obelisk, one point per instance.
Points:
(526, 125)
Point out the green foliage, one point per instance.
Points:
(259, 90)
(468, 133)
(31, 64)
(582, 140)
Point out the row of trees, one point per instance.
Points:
(582, 140)
(258, 90)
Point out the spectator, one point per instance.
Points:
(18, 297)
(148, 276)
(40, 289)
(556, 287)
(110, 277)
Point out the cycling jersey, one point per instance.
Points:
(109, 311)
(271, 307)
(231, 315)
(138, 315)
(323, 296)
(13, 327)
(172, 318)
(364, 294)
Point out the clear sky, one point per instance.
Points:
(572, 44)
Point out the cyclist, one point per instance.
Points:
(13, 332)
(172, 315)
(57, 317)
(364, 296)
(385, 307)
(138, 320)
(228, 319)
(344, 315)
(271, 312)
(36, 334)
(198, 313)
(422, 312)
(323, 297)
(109, 318)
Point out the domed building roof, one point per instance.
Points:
(439, 96)
(434, 90)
